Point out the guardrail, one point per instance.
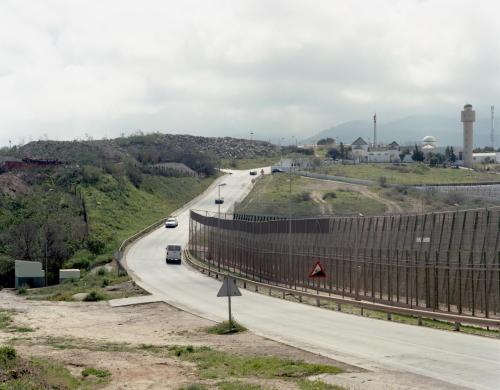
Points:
(118, 256)
(457, 320)
(119, 253)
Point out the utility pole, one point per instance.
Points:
(290, 271)
(218, 226)
(492, 135)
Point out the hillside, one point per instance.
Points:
(78, 212)
(149, 148)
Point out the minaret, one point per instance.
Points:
(468, 119)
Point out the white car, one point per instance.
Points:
(171, 223)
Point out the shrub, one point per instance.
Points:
(453, 198)
(303, 196)
(95, 372)
(8, 357)
(329, 195)
(22, 291)
(134, 174)
(90, 175)
(94, 296)
(382, 181)
(96, 245)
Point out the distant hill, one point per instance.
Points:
(448, 131)
(145, 148)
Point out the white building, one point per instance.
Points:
(361, 152)
(492, 157)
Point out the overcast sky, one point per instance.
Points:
(273, 67)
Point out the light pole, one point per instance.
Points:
(251, 136)
(218, 225)
(290, 228)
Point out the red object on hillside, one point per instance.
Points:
(317, 271)
(27, 163)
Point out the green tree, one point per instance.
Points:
(333, 153)
(417, 155)
(343, 152)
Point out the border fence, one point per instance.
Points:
(443, 261)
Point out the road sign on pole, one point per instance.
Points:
(229, 289)
(317, 271)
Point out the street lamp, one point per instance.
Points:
(251, 136)
(218, 225)
(290, 271)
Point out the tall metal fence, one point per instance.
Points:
(448, 261)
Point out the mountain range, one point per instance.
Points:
(448, 131)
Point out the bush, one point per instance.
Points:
(453, 198)
(303, 196)
(134, 174)
(95, 372)
(90, 175)
(22, 291)
(382, 181)
(8, 357)
(96, 245)
(94, 296)
(329, 195)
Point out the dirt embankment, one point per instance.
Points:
(322, 185)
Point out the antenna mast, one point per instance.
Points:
(492, 135)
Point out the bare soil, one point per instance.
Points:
(81, 334)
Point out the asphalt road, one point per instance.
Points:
(455, 358)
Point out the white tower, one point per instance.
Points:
(468, 119)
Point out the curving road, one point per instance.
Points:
(455, 358)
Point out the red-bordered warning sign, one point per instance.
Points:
(317, 271)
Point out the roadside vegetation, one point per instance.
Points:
(249, 163)
(17, 372)
(106, 283)
(224, 328)
(229, 371)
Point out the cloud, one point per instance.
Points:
(274, 67)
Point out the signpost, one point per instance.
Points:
(317, 272)
(229, 289)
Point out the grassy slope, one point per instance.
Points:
(117, 210)
(116, 215)
(417, 174)
(249, 163)
(270, 196)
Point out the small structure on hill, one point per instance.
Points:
(29, 273)
(69, 274)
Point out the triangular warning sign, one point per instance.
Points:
(229, 288)
(318, 271)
